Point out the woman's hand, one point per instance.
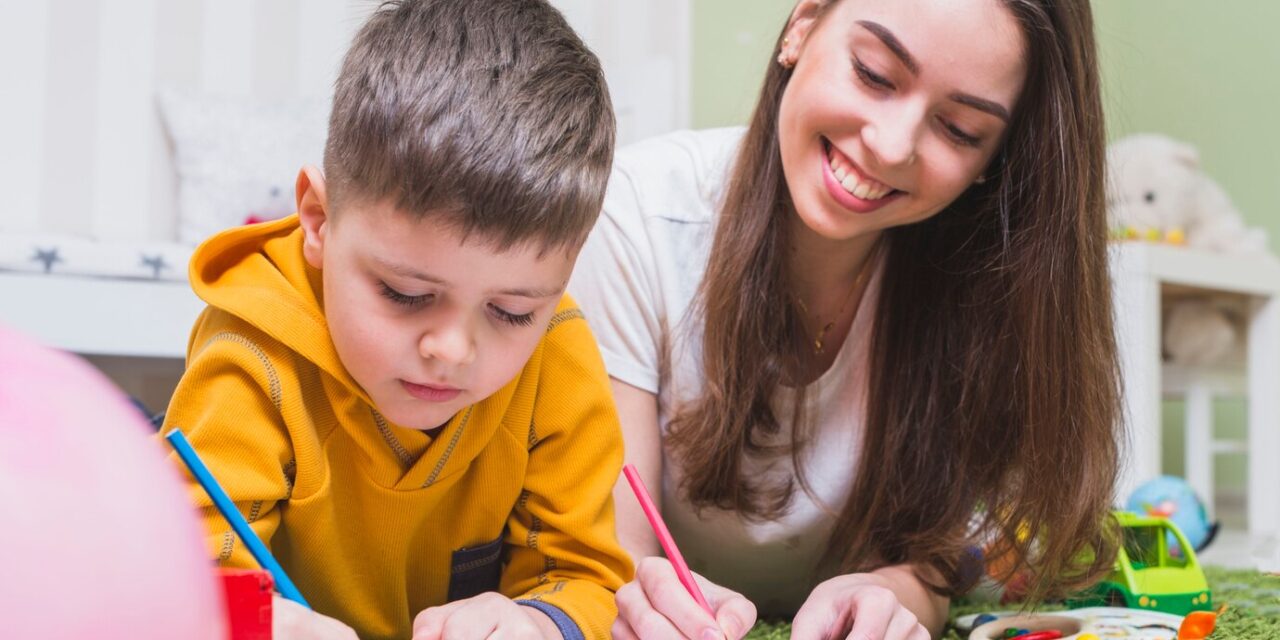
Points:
(292, 621)
(858, 606)
(656, 605)
(488, 615)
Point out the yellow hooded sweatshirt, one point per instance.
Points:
(375, 522)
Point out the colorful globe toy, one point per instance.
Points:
(1172, 498)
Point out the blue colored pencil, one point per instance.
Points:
(229, 511)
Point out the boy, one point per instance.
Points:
(391, 384)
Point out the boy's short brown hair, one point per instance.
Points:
(491, 115)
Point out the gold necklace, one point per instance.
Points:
(857, 283)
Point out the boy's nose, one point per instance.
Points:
(451, 344)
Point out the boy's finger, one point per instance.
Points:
(471, 622)
(429, 623)
(286, 616)
(672, 601)
(291, 620)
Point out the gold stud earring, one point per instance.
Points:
(783, 58)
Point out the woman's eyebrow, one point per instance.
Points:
(886, 36)
(994, 108)
(896, 47)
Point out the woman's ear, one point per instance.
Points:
(313, 213)
(803, 19)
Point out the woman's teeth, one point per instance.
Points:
(863, 188)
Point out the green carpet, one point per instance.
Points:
(1252, 599)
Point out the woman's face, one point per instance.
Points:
(894, 107)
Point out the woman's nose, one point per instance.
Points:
(894, 137)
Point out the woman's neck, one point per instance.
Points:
(823, 270)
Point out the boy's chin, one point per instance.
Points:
(404, 414)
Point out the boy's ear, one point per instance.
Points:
(313, 213)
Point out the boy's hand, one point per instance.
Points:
(656, 605)
(858, 605)
(488, 615)
(292, 621)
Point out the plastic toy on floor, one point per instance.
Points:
(1147, 575)
(1172, 498)
(1094, 623)
(1033, 627)
(1197, 625)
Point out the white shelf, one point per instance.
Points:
(1142, 275)
(1200, 269)
(1177, 380)
(101, 316)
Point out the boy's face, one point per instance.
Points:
(428, 324)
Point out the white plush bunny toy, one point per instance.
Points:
(1155, 183)
(1156, 191)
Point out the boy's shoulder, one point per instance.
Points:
(567, 311)
(226, 346)
(568, 334)
(216, 325)
(569, 345)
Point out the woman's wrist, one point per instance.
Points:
(902, 579)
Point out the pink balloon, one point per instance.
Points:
(97, 536)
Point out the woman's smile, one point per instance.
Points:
(850, 186)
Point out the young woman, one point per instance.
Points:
(871, 333)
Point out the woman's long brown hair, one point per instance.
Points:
(993, 400)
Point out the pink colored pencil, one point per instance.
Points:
(664, 537)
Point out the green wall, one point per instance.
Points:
(732, 42)
(1204, 72)
(1207, 73)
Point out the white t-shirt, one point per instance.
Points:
(636, 280)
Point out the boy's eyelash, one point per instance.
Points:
(523, 320)
(520, 320)
(400, 298)
(871, 78)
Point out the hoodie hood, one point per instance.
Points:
(259, 274)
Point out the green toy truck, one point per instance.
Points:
(1147, 576)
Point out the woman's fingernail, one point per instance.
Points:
(711, 634)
